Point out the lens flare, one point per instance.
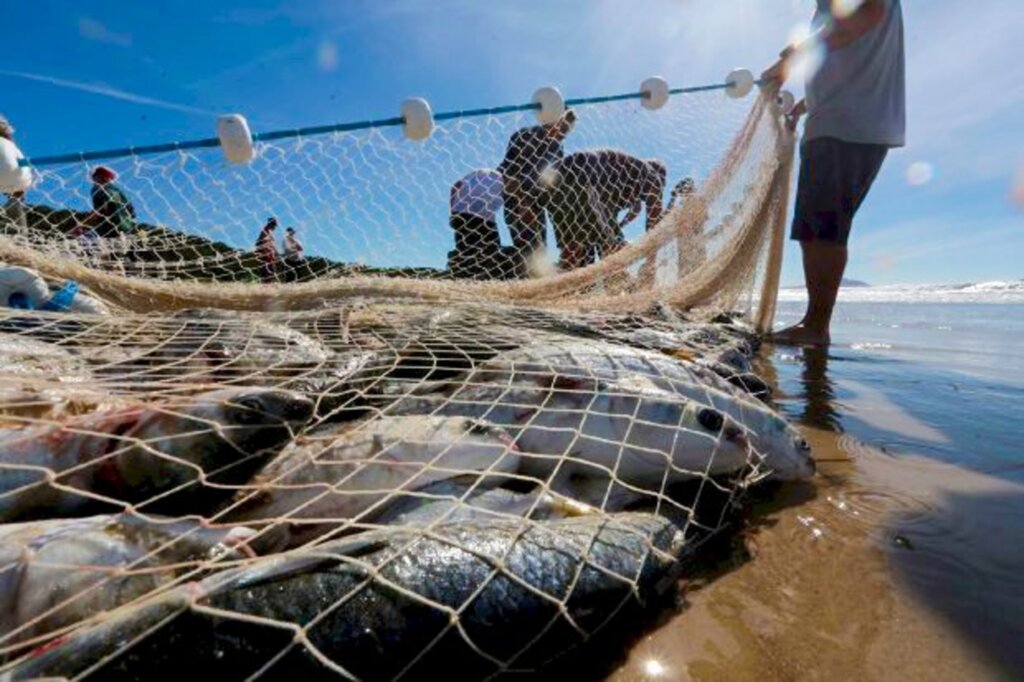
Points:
(845, 8)
(1018, 187)
(327, 56)
(653, 668)
(809, 59)
(920, 173)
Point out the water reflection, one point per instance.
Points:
(810, 396)
(819, 391)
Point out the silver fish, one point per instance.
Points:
(57, 573)
(785, 449)
(385, 604)
(634, 433)
(164, 458)
(319, 482)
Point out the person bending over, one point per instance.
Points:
(590, 189)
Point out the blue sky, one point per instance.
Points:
(87, 75)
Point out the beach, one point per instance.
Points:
(902, 559)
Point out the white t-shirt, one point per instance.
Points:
(478, 194)
(858, 93)
(13, 178)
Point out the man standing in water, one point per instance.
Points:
(855, 107)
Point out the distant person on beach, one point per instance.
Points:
(855, 108)
(110, 205)
(13, 210)
(474, 202)
(530, 152)
(293, 255)
(266, 250)
(590, 189)
(680, 192)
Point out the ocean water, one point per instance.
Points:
(935, 383)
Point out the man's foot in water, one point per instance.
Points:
(800, 335)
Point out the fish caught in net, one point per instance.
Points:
(375, 456)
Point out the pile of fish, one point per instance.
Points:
(373, 490)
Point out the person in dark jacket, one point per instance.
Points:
(530, 152)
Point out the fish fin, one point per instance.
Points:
(681, 354)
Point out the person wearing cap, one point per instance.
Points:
(13, 210)
(293, 255)
(112, 210)
(266, 250)
(530, 152)
(588, 192)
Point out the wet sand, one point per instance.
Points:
(889, 565)
(809, 590)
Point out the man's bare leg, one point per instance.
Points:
(824, 265)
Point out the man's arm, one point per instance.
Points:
(634, 212)
(653, 211)
(834, 35)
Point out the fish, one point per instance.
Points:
(170, 457)
(45, 381)
(785, 449)
(575, 428)
(321, 481)
(602, 359)
(464, 601)
(58, 573)
(453, 500)
(208, 345)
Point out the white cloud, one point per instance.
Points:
(106, 91)
(90, 29)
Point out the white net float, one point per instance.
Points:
(236, 138)
(13, 178)
(655, 90)
(419, 119)
(552, 104)
(739, 83)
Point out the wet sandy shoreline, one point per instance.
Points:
(902, 560)
(819, 594)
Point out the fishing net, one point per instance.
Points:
(397, 452)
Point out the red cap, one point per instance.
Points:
(103, 174)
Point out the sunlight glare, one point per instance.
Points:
(327, 56)
(807, 62)
(920, 173)
(844, 8)
(653, 668)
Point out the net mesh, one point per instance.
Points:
(469, 426)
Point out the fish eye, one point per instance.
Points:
(478, 428)
(712, 420)
(252, 408)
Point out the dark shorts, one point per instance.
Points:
(835, 177)
(473, 233)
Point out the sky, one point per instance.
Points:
(110, 73)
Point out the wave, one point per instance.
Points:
(996, 291)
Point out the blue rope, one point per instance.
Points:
(207, 143)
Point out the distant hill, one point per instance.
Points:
(171, 254)
(845, 284)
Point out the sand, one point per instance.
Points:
(820, 585)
